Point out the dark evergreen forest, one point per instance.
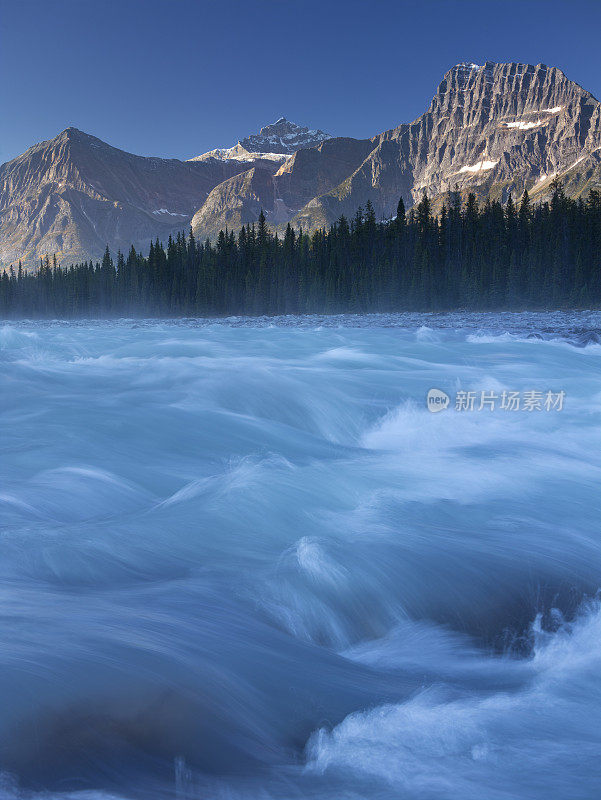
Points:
(512, 256)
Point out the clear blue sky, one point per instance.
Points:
(179, 77)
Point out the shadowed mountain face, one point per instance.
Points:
(490, 129)
(283, 193)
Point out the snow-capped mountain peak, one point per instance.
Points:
(280, 138)
(283, 136)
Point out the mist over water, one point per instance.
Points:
(242, 560)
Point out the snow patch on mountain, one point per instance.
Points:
(171, 213)
(526, 125)
(520, 125)
(480, 166)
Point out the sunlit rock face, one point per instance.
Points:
(490, 129)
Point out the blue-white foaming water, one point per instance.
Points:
(243, 560)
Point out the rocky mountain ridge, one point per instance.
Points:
(74, 194)
(490, 129)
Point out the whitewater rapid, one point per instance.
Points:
(242, 559)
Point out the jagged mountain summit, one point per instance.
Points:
(281, 138)
(490, 129)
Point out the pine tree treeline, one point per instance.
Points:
(496, 257)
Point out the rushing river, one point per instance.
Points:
(243, 560)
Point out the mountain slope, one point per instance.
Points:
(239, 200)
(74, 194)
